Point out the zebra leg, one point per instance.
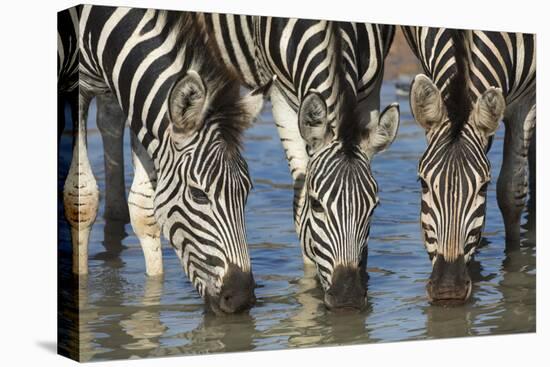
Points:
(80, 194)
(110, 123)
(512, 185)
(142, 213)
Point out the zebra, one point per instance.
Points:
(186, 118)
(473, 79)
(326, 108)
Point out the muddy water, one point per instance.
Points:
(126, 315)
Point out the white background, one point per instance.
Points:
(28, 182)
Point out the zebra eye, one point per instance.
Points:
(315, 205)
(199, 196)
(423, 184)
(483, 189)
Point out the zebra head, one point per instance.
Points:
(203, 186)
(454, 173)
(340, 194)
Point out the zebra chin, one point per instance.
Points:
(450, 282)
(236, 294)
(348, 290)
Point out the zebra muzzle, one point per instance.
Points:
(348, 290)
(449, 282)
(237, 292)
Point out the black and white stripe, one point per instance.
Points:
(305, 60)
(495, 59)
(366, 46)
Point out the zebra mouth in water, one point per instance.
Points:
(449, 283)
(348, 291)
(236, 294)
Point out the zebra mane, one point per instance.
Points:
(349, 130)
(227, 111)
(457, 99)
(225, 104)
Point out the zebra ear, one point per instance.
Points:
(186, 104)
(380, 136)
(253, 102)
(488, 111)
(313, 122)
(426, 103)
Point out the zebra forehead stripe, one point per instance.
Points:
(454, 171)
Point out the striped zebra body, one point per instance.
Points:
(473, 79)
(186, 117)
(366, 46)
(67, 63)
(325, 106)
(67, 50)
(495, 59)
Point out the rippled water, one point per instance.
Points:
(123, 314)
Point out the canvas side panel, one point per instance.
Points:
(68, 322)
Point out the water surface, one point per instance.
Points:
(124, 314)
